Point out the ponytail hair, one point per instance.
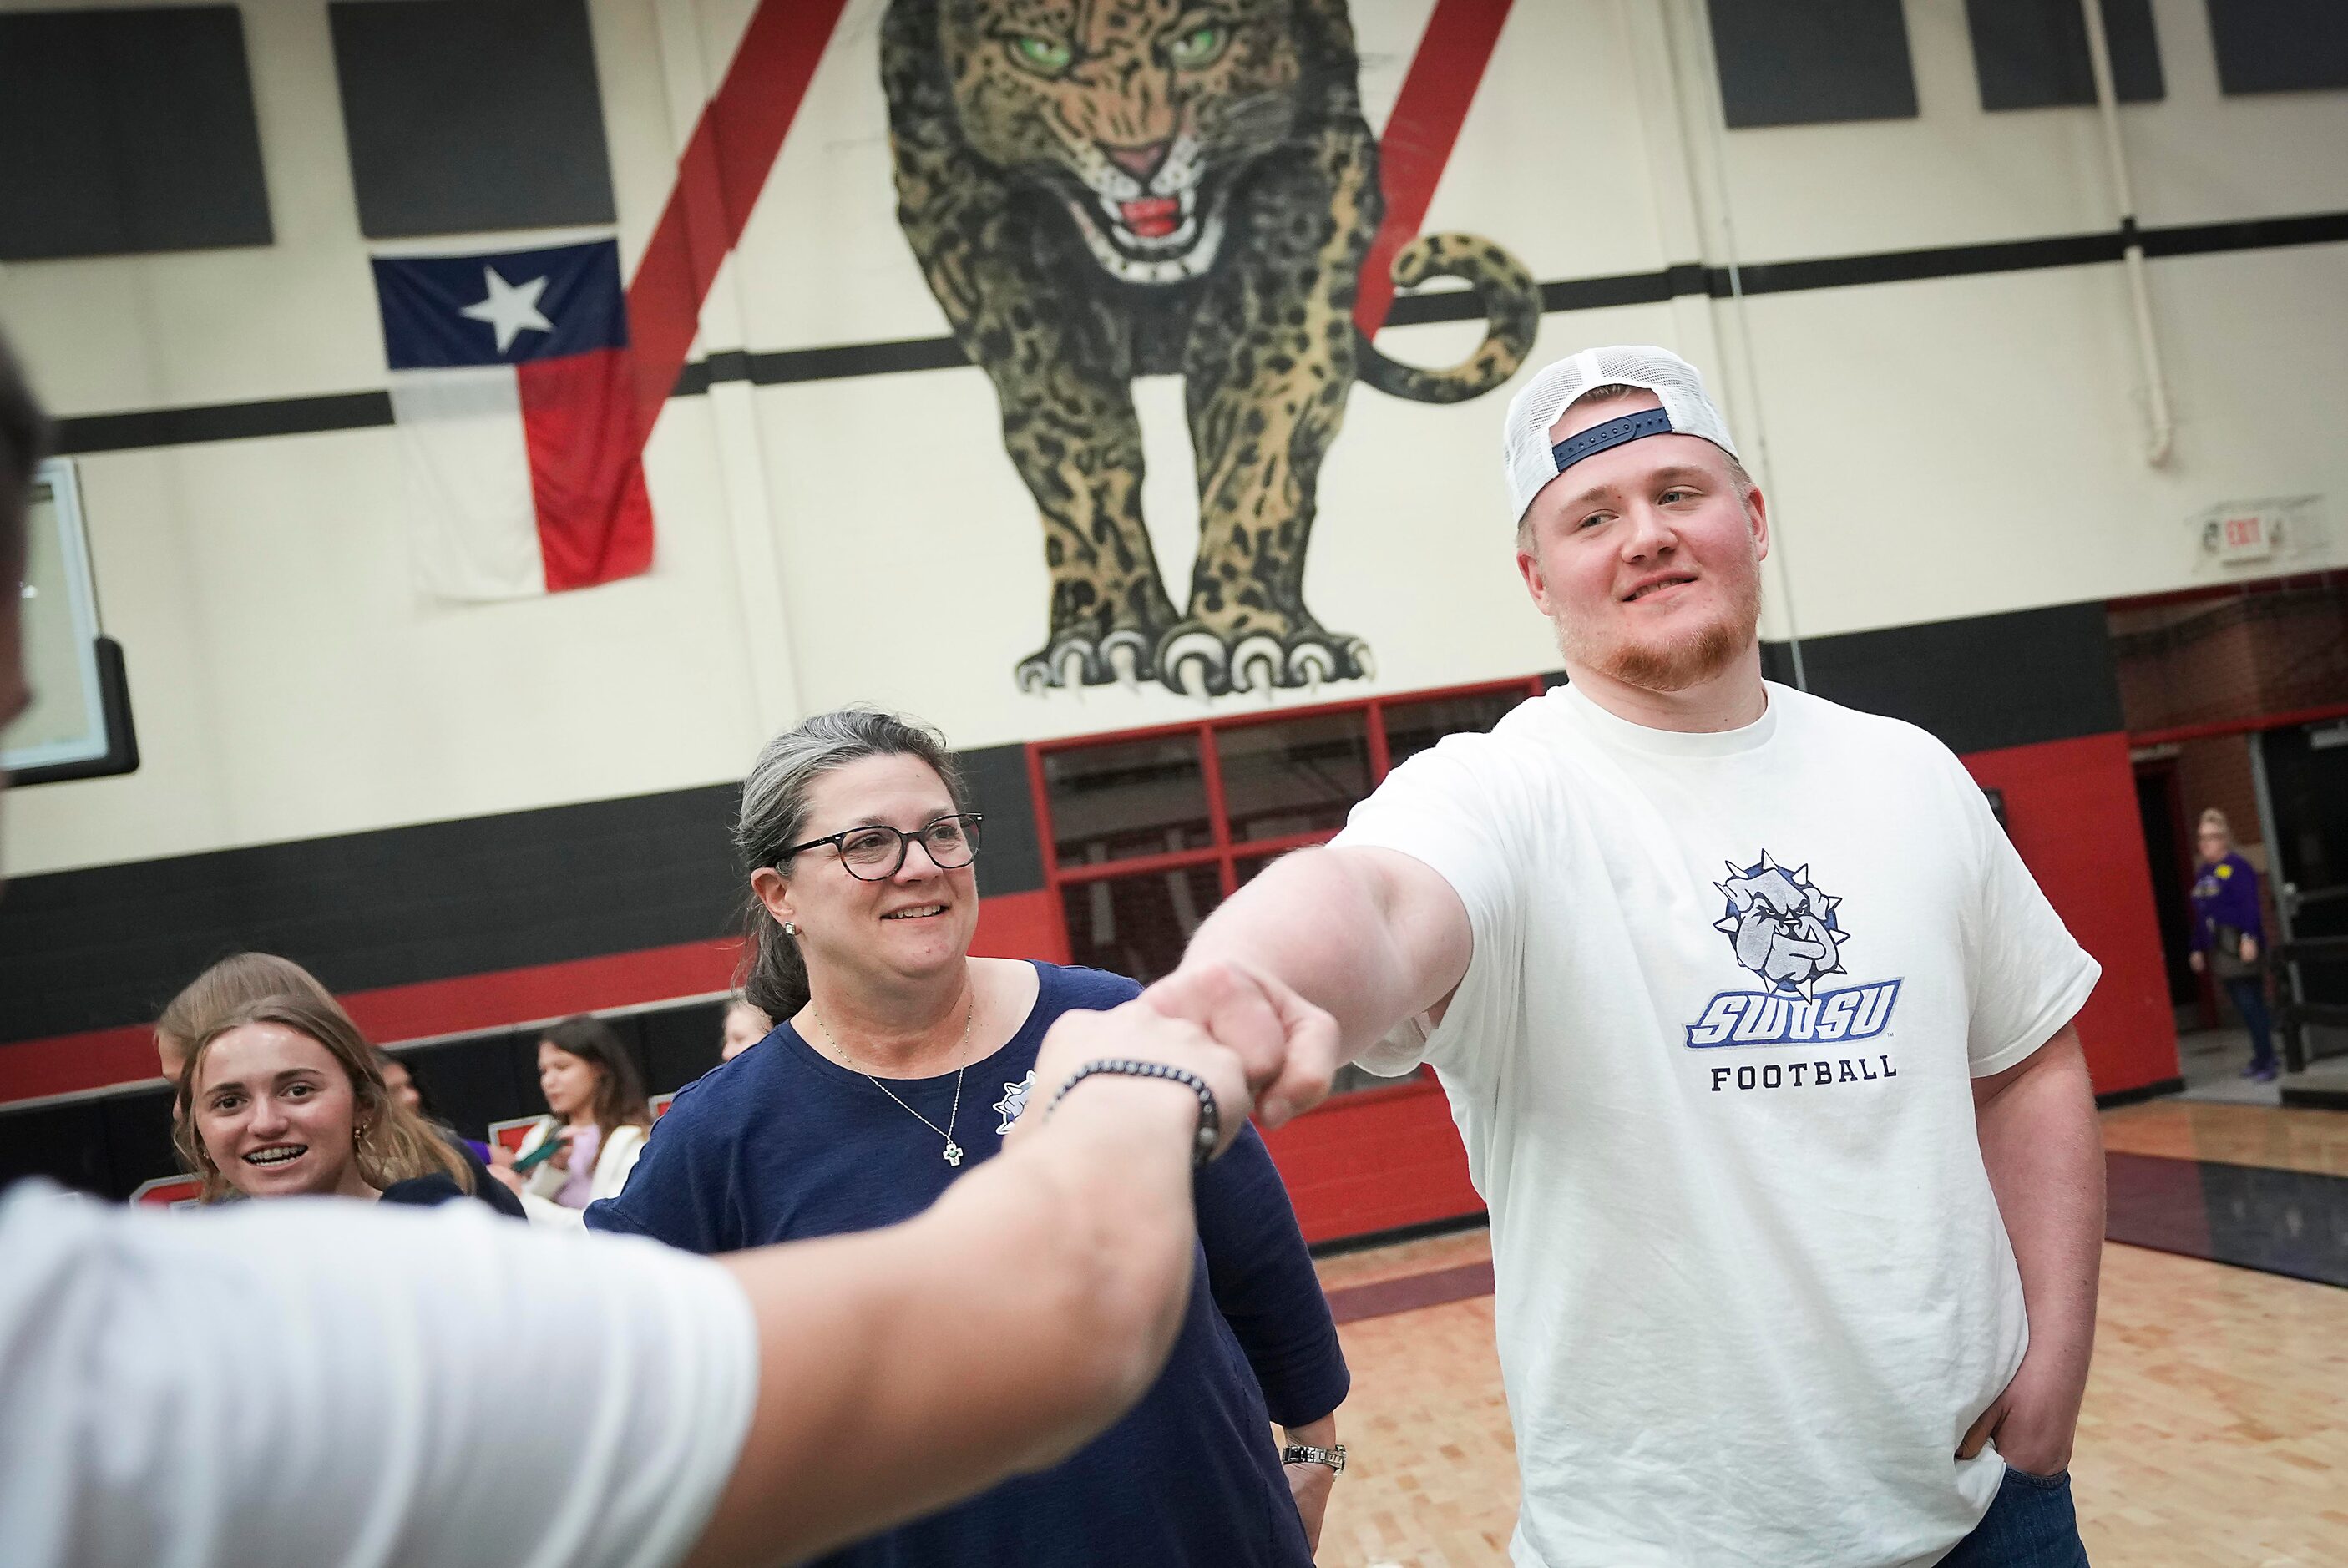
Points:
(772, 972)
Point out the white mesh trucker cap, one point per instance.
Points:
(1532, 461)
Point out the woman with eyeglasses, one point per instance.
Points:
(900, 1062)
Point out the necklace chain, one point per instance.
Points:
(953, 1151)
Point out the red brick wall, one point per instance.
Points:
(2257, 652)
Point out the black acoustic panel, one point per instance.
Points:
(520, 1048)
(680, 1044)
(631, 1030)
(65, 1142)
(128, 131)
(109, 946)
(1810, 62)
(2279, 45)
(1001, 792)
(464, 115)
(2033, 54)
(138, 1139)
(1991, 681)
(470, 1083)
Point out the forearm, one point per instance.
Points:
(2043, 1152)
(904, 1369)
(1323, 922)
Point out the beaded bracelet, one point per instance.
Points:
(1210, 1116)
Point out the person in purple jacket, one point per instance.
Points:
(2229, 936)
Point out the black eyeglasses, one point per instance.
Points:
(875, 852)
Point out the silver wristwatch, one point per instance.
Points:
(1306, 1454)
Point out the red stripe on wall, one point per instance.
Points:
(106, 1059)
(718, 179)
(1435, 92)
(586, 468)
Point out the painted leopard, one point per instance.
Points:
(1097, 190)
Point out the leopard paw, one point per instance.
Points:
(1194, 661)
(1123, 657)
(1202, 664)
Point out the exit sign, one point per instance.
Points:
(2247, 535)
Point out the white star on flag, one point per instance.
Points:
(510, 310)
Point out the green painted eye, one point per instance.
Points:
(1037, 53)
(1199, 46)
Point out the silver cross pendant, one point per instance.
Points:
(953, 1152)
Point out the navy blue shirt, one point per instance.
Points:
(783, 1144)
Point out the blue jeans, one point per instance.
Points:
(2029, 1524)
(2250, 996)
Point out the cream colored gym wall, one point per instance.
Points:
(1961, 447)
(1941, 449)
(288, 679)
(1964, 446)
(291, 682)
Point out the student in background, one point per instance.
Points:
(2229, 936)
(242, 978)
(597, 1117)
(746, 1025)
(281, 1099)
(401, 1081)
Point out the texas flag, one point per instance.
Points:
(517, 417)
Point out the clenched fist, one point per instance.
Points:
(1287, 1046)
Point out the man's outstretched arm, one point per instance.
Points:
(2045, 1155)
(1369, 936)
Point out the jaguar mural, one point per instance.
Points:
(1097, 190)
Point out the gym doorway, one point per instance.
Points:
(2236, 701)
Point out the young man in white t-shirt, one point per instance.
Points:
(1758, 1035)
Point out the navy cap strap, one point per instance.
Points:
(1613, 433)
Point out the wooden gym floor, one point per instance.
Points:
(2215, 1433)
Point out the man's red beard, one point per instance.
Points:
(1685, 659)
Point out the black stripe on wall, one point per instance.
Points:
(109, 946)
(1978, 683)
(358, 411)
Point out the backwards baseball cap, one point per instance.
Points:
(1533, 459)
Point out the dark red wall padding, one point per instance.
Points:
(1375, 1159)
(2070, 807)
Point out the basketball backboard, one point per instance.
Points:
(79, 724)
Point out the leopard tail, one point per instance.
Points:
(1512, 308)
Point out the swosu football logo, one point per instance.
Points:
(1785, 929)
